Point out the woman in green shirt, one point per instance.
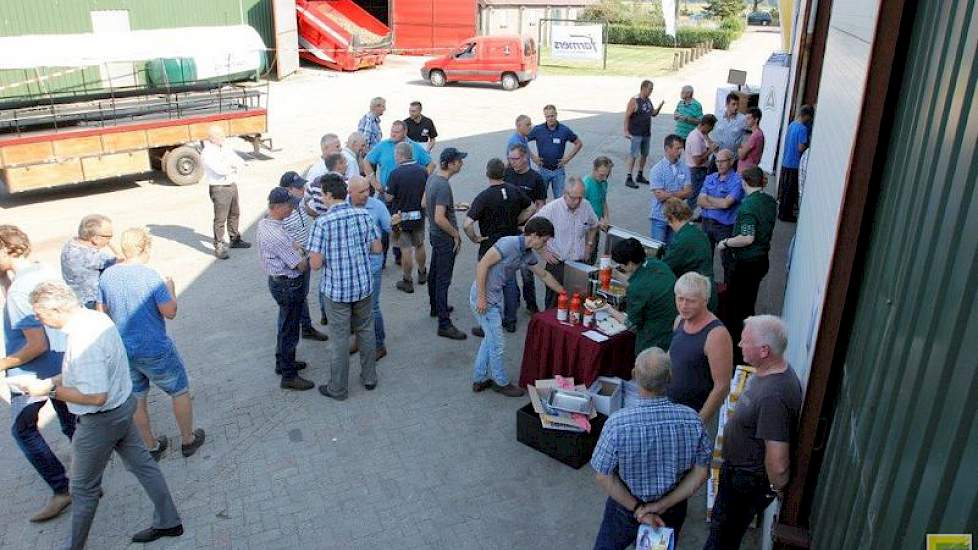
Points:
(749, 247)
(650, 301)
(690, 248)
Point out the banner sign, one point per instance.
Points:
(576, 42)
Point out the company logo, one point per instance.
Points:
(949, 542)
(576, 42)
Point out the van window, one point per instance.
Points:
(529, 47)
(467, 51)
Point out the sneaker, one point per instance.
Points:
(380, 353)
(53, 508)
(452, 332)
(481, 386)
(422, 277)
(189, 449)
(161, 444)
(629, 182)
(509, 390)
(509, 327)
(298, 384)
(478, 332)
(313, 334)
(238, 243)
(405, 286)
(323, 320)
(641, 179)
(324, 390)
(533, 309)
(370, 387)
(221, 251)
(151, 534)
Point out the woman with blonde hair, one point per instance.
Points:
(690, 249)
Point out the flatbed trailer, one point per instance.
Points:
(153, 133)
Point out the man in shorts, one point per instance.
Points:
(406, 189)
(138, 300)
(638, 131)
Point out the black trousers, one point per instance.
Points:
(716, 232)
(440, 277)
(550, 298)
(741, 496)
(788, 195)
(226, 212)
(743, 283)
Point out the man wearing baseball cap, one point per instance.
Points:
(285, 266)
(445, 239)
(297, 225)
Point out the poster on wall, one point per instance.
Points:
(577, 42)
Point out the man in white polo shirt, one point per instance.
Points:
(96, 385)
(221, 165)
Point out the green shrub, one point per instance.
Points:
(617, 11)
(686, 37)
(736, 24)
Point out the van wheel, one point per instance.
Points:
(510, 82)
(437, 78)
(182, 165)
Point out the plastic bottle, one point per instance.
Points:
(562, 307)
(605, 274)
(588, 320)
(575, 309)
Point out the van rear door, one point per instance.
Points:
(530, 56)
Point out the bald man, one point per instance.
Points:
(359, 196)
(575, 232)
(221, 166)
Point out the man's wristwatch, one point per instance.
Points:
(52, 392)
(638, 505)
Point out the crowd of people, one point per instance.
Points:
(93, 338)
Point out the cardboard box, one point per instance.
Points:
(607, 394)
(572, 448)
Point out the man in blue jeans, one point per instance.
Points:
(552, 138)
(668, 178)
(650, 458)
(31, 352)
(287, 270)
(359, 197)
(499, 264)
(445, 239)
(139, 300)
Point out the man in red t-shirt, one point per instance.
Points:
(751, 150)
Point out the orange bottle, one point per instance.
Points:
(604, 275)
(562, 307)
(575, 309)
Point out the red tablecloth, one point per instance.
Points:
(553, 348)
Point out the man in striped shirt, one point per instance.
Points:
(284, 263)
(297, 225)
(340, 243)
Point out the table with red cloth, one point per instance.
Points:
(554, 348)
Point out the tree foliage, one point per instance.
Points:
(724, 8)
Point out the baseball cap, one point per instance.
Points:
(452, 154)
(279, 195)
(292, 179)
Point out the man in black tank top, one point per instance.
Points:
(638, 131)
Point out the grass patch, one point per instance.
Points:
(623, 60)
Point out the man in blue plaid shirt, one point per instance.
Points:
(650, 458)
(340, 243)
(369, 125)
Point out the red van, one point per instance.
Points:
(510, 60)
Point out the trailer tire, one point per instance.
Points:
(182, 165)
(437, 78)
(510, 82)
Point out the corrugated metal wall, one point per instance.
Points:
(20, 17)
(902, 457)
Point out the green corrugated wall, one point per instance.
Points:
(20, 17)
(902, 457)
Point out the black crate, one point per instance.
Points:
(572, 448)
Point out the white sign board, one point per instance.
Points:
(577, 42)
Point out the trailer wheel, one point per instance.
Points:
(437, 78)
(182, 165)
(510, 82)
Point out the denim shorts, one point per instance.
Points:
(165, 371)
(640, 146)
